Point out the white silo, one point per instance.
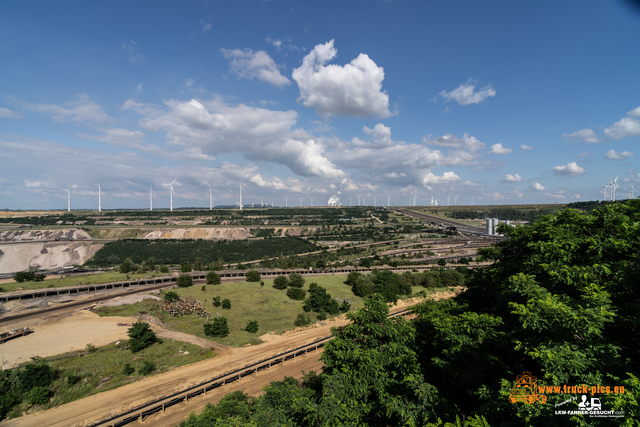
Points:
(489, 226)
(495, 226)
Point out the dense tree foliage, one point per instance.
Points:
(320, 301)
(296, 280)
(218, 328)
(281, 282)
(514, 214)
(28, 276)
(140, 336)
(213, 278)
(252, 276)
(171, 251)
(252, 326)
(184, 280)
(171, 296)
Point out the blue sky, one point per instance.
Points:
(506, 102)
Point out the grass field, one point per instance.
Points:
(273, 310)
(79, 279)
(102, 370)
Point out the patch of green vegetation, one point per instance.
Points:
(103, 370)
(172, 251)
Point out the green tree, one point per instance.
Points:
(197, 264)
(126, 266)
(164, 269)
(218, 328)
(213, 278)
(171, 296)
(217, 301)
(302, 320)
(226, 304)
(38, 396)
(141, 336)
(184, 280)
(281, 282)
(252, 326)
(296, 280)
(320, 301)
(296, 293)
(185, 267)
(252, 276)
(150, 264)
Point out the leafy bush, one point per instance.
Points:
(184, 280)
(302, 320)
(252, 276)
(296, 280)
(442, 262)
(362, 286)
(164, 269)
(38, 396)
(213, 278)
(141, 336)
(147, 367)
(296, 294)
(126, 266)
(216, 301)
(319, 300)
(90, 348)
(281, 282)
(322, 315)
(36, 374)
(197, 265)
(226, 304)
(218, 328)
(73, 379)
(252, 326)
(171, 296)
(261, 284)
(28, 276)
(128, 369)
(345, 306)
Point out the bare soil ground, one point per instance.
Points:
(110, 403)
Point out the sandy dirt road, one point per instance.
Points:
(113, 402)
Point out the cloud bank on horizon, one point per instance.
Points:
(297, 102)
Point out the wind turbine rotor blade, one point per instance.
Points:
(172, 182)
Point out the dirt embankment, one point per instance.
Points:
(19, 257)
(199, 233)
(42, 235)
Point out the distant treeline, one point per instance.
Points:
(48, 220)
(502, 213)
(591, 205)
(172, 251)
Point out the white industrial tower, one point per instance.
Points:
(171, 192)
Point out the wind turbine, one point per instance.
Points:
(633, 190)
(285, 202)
(311, 201)
(358, 200)
(68, 196)
(604, 189)
(100, 195)
(171, 192)
(211, 199)
(455, 201)
(614, 185)
(241, 189)
(364, 201)
(388, 200)
(374, 201)
(151, 193)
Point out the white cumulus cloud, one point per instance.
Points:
(526, 147)
(612, 155)
(512, 178)
(465, 94)
(499, 149)
(587, 136)
(571, 169)
(255, 65)
(627, 127)
(537, 186)
(352, 90)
